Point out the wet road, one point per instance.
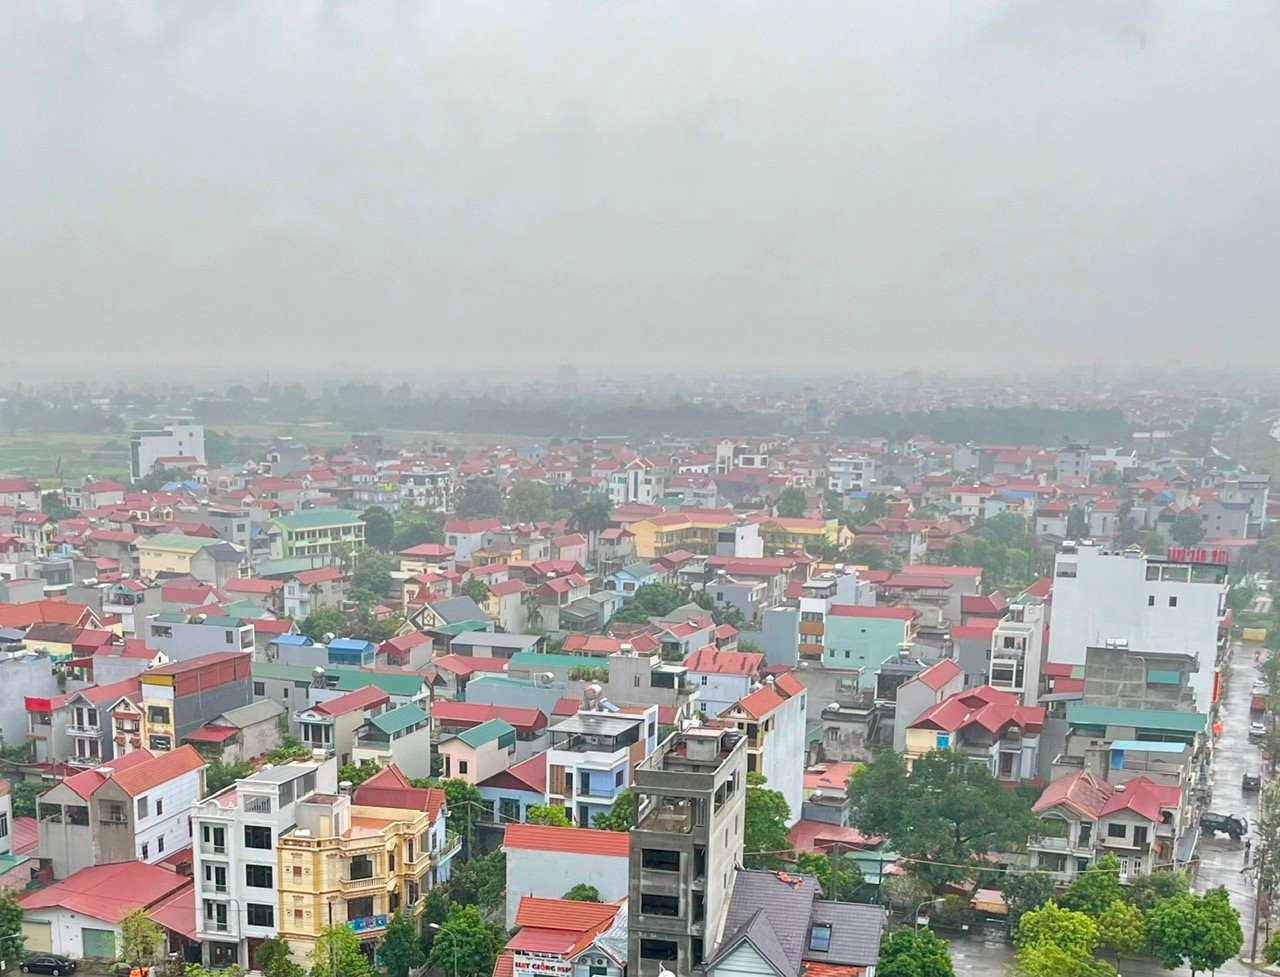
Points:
(1220, 858)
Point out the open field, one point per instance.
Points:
(37, 456)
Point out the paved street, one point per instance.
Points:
(1220, 858)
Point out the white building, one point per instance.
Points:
(1017, 651)
(151, 446)
(548, 862)
(773, 720)
(1103, 596)
(234, 849)
(851, 473)
(722, 677)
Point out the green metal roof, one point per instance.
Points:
(461, 627)
(317, 519)
(285, 567)
(276, 670)
(243, 608)
(352, 679)
(502, 680)
(487, 732)
(545, 659)
(1160, 719)
(395, 720)
(640, 569)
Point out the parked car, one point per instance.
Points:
(1251, 782)
(1257, 730)
(48, 963)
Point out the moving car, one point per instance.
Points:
(48, 963)
(1251, 782)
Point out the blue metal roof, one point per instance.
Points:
(291, 639)
(351, 644)
(1149, 747)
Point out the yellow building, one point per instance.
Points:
(359, 864)
(685, 529)
(169, 553)
(791, 534)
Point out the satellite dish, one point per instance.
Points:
(545, 679)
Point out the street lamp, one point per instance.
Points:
(927, 902)
(453, 936)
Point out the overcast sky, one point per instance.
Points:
(845, 185)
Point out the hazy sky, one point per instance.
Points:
(844, 185)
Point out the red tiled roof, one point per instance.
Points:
(319, 575)
(46, 611)
(26, 836)
(360, 699)
(389, 787)
(831, 775)
(162, 768)
(981, 628)
(941, 570)
(453, 713)
(984, 706)
(471, 527)
(431, 551)
(108, 892)
(1144, 797)
(1082, 792)
(530, 775)
(252, 585)
(504, 965)
(759, 703)
(456, 664)
(86, 782)
(211, 734)
(939, 674)
(579, 841)
(820, 837)
(712, 660)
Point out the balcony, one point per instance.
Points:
(368, 884)
(452, 844)
(214, 888)
(83, 729)
(212, 849)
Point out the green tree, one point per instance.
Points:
(416, 528)
(23, 796)
(322, 621)
(379, 527)
(764, 825)
(159, 478)
(1077, 523)
(583, 893)
(435, 909)
(476, 589)
(1201, 931)
(944, 816)
(532, 611)
(291, 748)
(401, 949)
(650, 600)
(621, 816)
(1271, 954)
(372, 578)
(219, 775)
(529, 502)
(338, 954)
(358, 773)
(1187, 529)
(11, 938)
(52, 505)
(1153, 544)
(914, 953)
(1093, 891)
(273, 959)
(479, 499)
(791, 503)
(480, 881)
(465, 806)
(591, 514)
(1144, 891)
(1056, 942)
(876, 506)
(548, 814)
(839, 878)
(1122, 930)
(466, 942)
(1024, 891)
(865, 555)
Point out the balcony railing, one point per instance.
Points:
(371, 883)
(452, 843)
(83, 729)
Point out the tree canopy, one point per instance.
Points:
(650, 600)
(791, 503)
(401, 950)
(548, 814)
(1094, 890)
(583, 893)
(764, 825)
(337, 953)
(466, 942)
(379, 527)
(943, 817)
(912, 953)
(621, 816)
(1202, 932)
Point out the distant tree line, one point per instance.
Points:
(993, 425)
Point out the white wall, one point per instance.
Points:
(784, 753)
(175, 797)
(718, 691)
(64, 929)
(550, 874)
(1110, 598)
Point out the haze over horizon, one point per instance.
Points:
(666, 186)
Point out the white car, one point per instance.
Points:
(1257, 729)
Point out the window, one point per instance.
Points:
(160, 845)
(213, 838)
(462, 766)
(361, 868)
(259, 688)
(658, 949)
(1115, 829)
(617, 778)
(258, 876)
(656, 905)
(159, 806)
(158, 744)
(820, 937)
(158, 714)
(4, 825)
(50, 813)
(260, 914)
(78, 815)
(143, 808)
(1085, 838)
(660, 859)
(257, 836)
(360, 908)
(1173, 602)
(257, 804)
(1151, 601)
(146, 851)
